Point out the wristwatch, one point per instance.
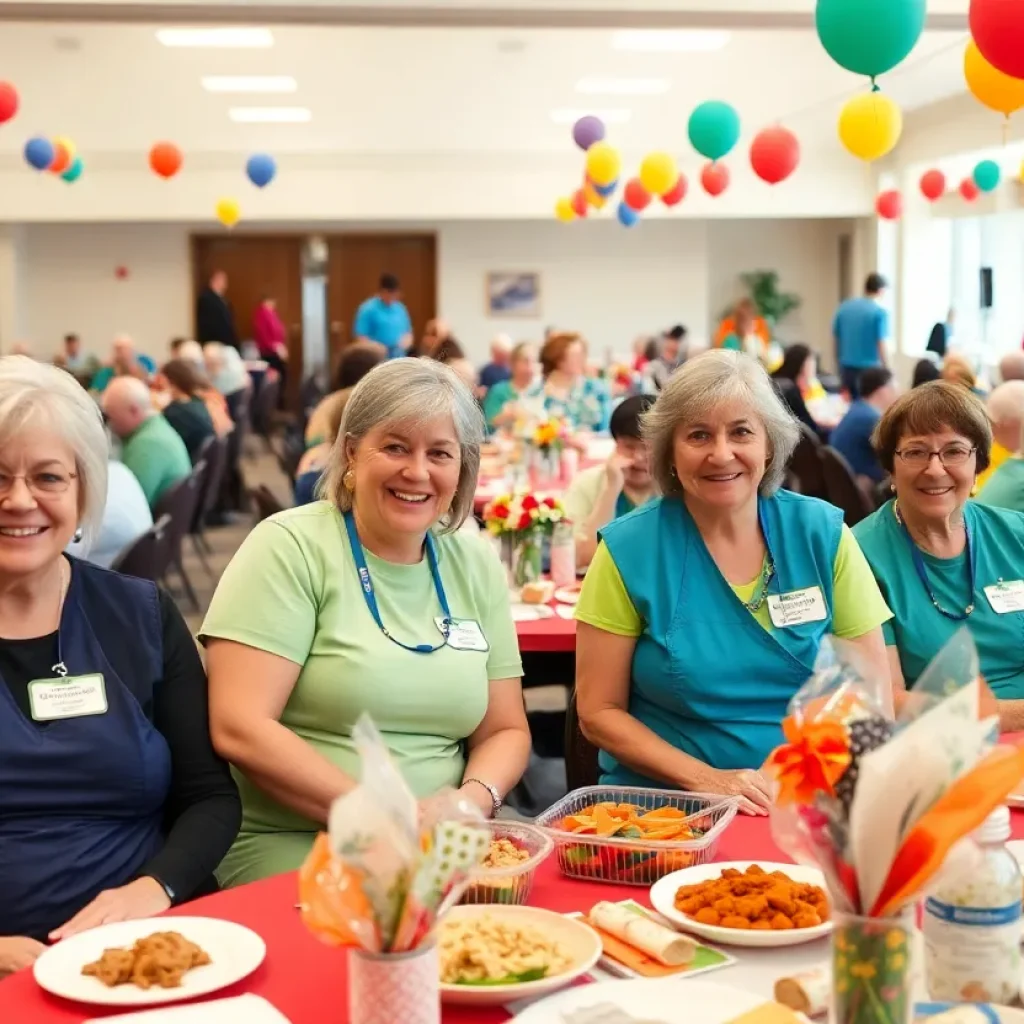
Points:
(166, 888)
(496, 801)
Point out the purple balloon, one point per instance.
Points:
(588, 130)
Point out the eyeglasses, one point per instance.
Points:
(47, 481)
(951, 455)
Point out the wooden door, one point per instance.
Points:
(355, 264)
(258, 266)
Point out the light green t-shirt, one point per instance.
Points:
(1005, 487)
(857, 605)
(583, 495)
(157, 456)
(292, 590)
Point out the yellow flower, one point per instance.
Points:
(895, 939)
(896, 961)
(842, 984)
(840, 964)
(863, 970)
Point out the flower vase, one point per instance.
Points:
(526, 559)
(871, 975)
(387, 987)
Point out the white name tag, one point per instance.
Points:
(464, 635)
(1006, 596)
(70, 697)
(797, 607)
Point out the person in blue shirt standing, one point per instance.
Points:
(860, 329)
(852, 438)
(384, 319)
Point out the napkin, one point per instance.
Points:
(248, 1009)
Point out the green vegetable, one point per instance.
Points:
(510, 979)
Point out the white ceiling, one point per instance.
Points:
(114, 89)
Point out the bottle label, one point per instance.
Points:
(976, 916)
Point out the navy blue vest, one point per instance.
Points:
(82, 800)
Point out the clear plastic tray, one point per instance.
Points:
(510, 885)
(636, 861)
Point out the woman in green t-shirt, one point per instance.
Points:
(368, 602)
(503, 401)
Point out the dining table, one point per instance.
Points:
(307, 980)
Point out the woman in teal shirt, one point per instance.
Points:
(502, 403)
(941, 560)
(566, 392)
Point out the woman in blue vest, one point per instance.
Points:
(703, 611)
(113, 804)
(944, 561)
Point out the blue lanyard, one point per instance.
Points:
(370, 597)
(922, 569)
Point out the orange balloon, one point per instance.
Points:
(165, 159)
(63, 156)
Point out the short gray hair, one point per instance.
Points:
(700, 384)
(36, 394)
(410, 391)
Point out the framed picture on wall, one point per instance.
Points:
(513, 293)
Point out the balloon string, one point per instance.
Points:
(875, 87)
(1006, 129)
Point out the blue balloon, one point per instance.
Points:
(261, 169)
(39, 153)
(714, 128)
(74, 172)
(986, 175)
(605, 190)
(627, 216)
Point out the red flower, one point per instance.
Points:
(529, 503)
(499, 510)
(525, 521)
(551, 502)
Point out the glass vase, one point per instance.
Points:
(871, 975)
(526, 559)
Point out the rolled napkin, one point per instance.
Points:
(809, 992)
(663, 944)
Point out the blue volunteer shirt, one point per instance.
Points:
(859, 326)
(384, 322)
(852, 439)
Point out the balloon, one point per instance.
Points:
(563, 209)
(9, 101)
(228, 212)
(261, 169)
(675, 195)
(63, 155)
(592, 196)
(997, 91)
(933, 185)
(714, 128)
(579, 203)
(603, 163)
(588, 130)
(74, 172)
(635, 196)
(997, 26)
(986, 175)
(774, 154)
(969, 190)
(165, 159)
(889, 205)
(869, 37)
(714, 178)
(870, 126)
(39, 153)
(606, 190)
(658, 173)
(627, 216)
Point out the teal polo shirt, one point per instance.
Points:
(157, 456)
(383, 322)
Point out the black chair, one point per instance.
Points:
(265, 405)
(180, 503)
(215, 455)
(842, 488)
(264, 501)
(288, 448)
(805, 464)
(149, 555)
(581, 768)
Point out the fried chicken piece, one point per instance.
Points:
(725, 906)
(707, 916)
(806, 919)
(731, 873)
(160, 959)
(735, 921)
(751, 907)
(781, 923)
(755, 869)
(779, 898)
(692, 905)
(761, 925)
(114, 967)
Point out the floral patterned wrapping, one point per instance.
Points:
(871, 975)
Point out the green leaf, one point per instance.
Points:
(535, 974)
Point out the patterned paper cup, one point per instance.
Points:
(387, 988)
(871, 975)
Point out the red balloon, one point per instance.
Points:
(997, 26)
(675, 195)
(635, 196)
(889, 205)
(715, 178)
(8, 101)
(774, 154)
(165, 159)
(969, 190)
(61, 158)
(933, 185)
(579, 203)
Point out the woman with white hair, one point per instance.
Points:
(113, 804)
(370, 600)
(703, 611)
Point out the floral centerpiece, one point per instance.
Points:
(522, 521)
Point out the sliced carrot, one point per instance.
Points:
(663, 812)
(606, 824)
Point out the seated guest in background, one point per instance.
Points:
(503, 403)
(1005, 487)
(686, 662)
(356, 362)
(435, 332)
(228, 375)
(743, 337)
(1011, 366)
(924, 371)
(123, 809)
(126, 517)
(957, 369)
(124, 362)
(793, 378)
(645, 348)
(1005, 408)
(191, 352)
(669, 358)
(426, 643)
(566, 392)
(603, 493)
(186, 411)
(499, 368)
(150, 447)
(314, 460)
(852, 438)
(942, 560)
(79, 363)
(383, 319)
(744, 318)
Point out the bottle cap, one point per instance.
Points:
(996, 828)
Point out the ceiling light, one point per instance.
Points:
(669, 41)
(249, 83)
(217, 38)
(595, 86)
(569, 115)
(270, 115)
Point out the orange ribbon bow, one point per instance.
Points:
(812, 760)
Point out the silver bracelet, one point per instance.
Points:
(496, 801)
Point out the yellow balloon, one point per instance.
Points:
(228, 212)
(989, 86)
(658, 173)
(71, 148)
(563, 209)
(593, 197)
(870, 126)
(1022, 171)
(603, 163)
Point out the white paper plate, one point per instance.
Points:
(567, 595)
(247, 1009)
(580, 941)
(663, 894)
(235, 951)
(565, 611)
(531, 612)
(1016, 799)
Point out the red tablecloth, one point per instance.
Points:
(554, 634)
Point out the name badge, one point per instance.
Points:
(797, 607)
(1006, 596)
(464, 635)
(70, 697)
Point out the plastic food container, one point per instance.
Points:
(513, 884)
(636, 861)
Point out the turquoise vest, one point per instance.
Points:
(706, 676)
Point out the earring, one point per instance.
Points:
(892, 487)
(672, 473)
(349, 480)
(974, 489)
(77, 536)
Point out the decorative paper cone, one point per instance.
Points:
(871, 976)
(388, 987)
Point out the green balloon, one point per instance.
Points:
(869, 37)
(74, 172)
(986, 175)
(714, 129)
